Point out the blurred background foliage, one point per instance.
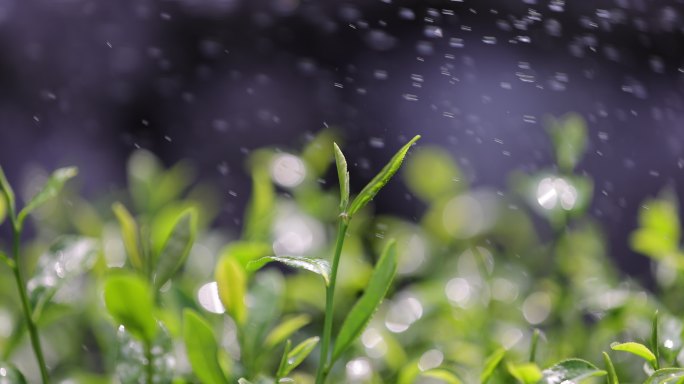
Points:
(474, 274)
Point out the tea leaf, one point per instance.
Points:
(654, 341)
(202, 349)
(260, 208)
(571, 370)
(526, 373)
(283, 360)
(176, 246)
(342, 176)
(666, 376)
(318, 266)
(7, 192)
(10, 374)
(129, 234)
(379, 181)
(610, 368)
(636, 349)
(232, 286)
(50, 189)
(245, 251)
(129, 300)
(659, 230)
(297, 355)
(443, 179)
(285, 329)
(442, 375)
(569, 136)
(365, 307)
(490, 365)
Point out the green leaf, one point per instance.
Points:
(242, 380)
(259, 212)
(379, 181)
(571, 370)
(283, 360)
(318, 266)
(441, 374)
(129, 300)
(569, 136)
(666, 376)
(285, 329)
(231, 280)
(129, 234)
(3, 209)
(365, 307)
(10, 374)
(659, 230)
(318, 152)
(7, 192)
(610, 368)
(297, 355)
(526, 373)
(66, 259)
(202, 349)
(50, 189)
(245, 251)
(443, 179)
(4, 258)
(490, 365)
(654, 341)
(636, 349)
(342, 177)
(176, 246)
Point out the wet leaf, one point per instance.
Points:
(666, 376)
(202, 349)
(365, 307)
(64, 261)
(610, 368)
(490, 365)
(130, 235)
(232, 286)
(285, 329)
(297, 355)
(342, 177)
(9, 374)
(129, 301)
(373, 187)
(50, 189)
(635, 349)
(176, 246)
(571, 370)
(318, 266)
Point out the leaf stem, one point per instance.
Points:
(323, 367)
(26, 307)
(150, 365)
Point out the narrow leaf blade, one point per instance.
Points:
(52, 187)
(318, 266)
(285, 329)
(297, 355)
(490, 365)
(202, 349)
(635, 349)
(342, 176)
(177, 246)
(232, 286)
(442, 375)
(7, 192)
(129, 234)
(654, 341)
(129, 300)
(610, 368)
(379, 181)
(365, 307)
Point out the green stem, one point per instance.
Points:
(26, 307)
(150, 365)
(323, 367)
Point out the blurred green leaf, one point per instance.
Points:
(442, 375)
(318, 266)
(245, 251)
(342, 177)
(261, 206)
(365, 307)
(666, 376)
(285, 329)
(129, 301)
(297, 355)
(569, 137)
(658, 235)
(50, 190)
(7, 192)
(3, 208)
(130, 235)
(143, 170)
(66, 259)
(242, 380)
(232, 286)
(490, 365)
(10, 374)
(266, 305)
(202, 348)
(443, 178)
(525, 373)
(571, 370)
(654, 341)
(177, 246)
(6, 260)
(373, 187)
(283, 360)
(318, 152)
(610, 369)
(636, 349)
